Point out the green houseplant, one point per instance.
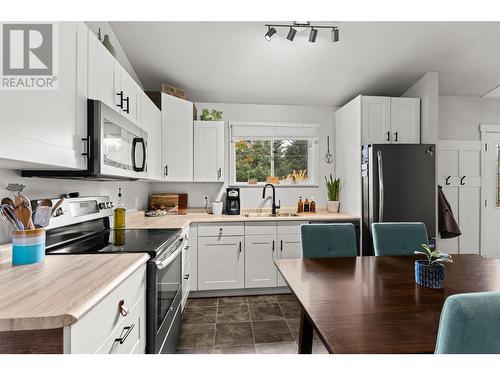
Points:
(430, 272)
(333, 191)
(210, 116)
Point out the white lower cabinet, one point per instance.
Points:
(107, 330)
(290, 246)
(260, 270)
(221, 262)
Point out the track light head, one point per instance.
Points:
(291, 34)
(313, 35)
(335, 35)
(270, 33)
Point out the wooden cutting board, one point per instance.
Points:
(174, 204)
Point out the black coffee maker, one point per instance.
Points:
(233, 201)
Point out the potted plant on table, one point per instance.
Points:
(333, 191)
(430, 272)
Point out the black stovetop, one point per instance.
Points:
(149, 241)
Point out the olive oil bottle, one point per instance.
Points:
(119, 213)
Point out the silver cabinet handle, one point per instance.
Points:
(219, 173)
(380, 187)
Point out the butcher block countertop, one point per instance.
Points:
(138, 220)
(59, 290)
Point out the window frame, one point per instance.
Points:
(312, 156)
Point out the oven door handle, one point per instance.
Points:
(161, 264)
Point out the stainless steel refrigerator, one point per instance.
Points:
(398, 185)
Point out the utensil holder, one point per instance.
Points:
(28, 246)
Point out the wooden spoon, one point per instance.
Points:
(23, 211)
(8, 201)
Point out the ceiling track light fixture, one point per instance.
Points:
(313, 34)
(270, 32)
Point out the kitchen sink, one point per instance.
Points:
(284, 214)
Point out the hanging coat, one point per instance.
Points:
(448, 227)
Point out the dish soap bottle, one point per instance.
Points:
(306, 205)
(119, 213)
(312, 205)
(300, 206)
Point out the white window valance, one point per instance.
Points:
(256, 130)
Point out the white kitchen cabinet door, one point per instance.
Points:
(260, 270)
(375, 119)
(104, 75)
(44, 128)
(151, 125)
(290, 247)
(177, 139)
(132, 97)
(193, 248)
(209, 146)
(405, 120)
(221, 262)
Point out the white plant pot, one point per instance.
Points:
(332, 206)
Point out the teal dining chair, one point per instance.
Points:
(398, 238)
(470, 324)
(328, 240)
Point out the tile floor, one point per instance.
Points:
(267, 324)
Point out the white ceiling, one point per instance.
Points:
(232, 62)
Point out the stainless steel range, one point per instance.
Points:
(82, 226)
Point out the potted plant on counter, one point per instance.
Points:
(430, 272)
(333, 190)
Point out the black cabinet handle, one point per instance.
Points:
(166, 170)
(120, 95)
(388, 136)
(219, 173)
(186, 277)
(281, 245)
(395, 136)
(126, 100)
(134, 146)
(273, 246)
(447, 181)
(462, 181)
(239, 247)
(129, 329)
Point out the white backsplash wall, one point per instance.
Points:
(251, 197)
(135, 193)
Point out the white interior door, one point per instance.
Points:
(490, 194)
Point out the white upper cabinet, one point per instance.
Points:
(177, 138)
(376, 119)
(151, 125)
(209, 146)
(44, 128)
(104, 75)
(405, 120)
(110, 83)
(390, 120)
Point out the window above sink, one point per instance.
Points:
(261, 150)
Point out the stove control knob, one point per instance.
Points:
(111, 203)
(102, 206)
(108, 204)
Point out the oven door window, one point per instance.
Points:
(168, 282)
(117, 146)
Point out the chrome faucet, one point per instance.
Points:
(274, 207)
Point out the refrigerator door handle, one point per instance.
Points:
(380, 187)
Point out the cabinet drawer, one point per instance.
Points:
(260, 228)
(93, 328)
(222, 229)
(290, 227)
(128, 333)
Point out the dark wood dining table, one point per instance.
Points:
(372, 305)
